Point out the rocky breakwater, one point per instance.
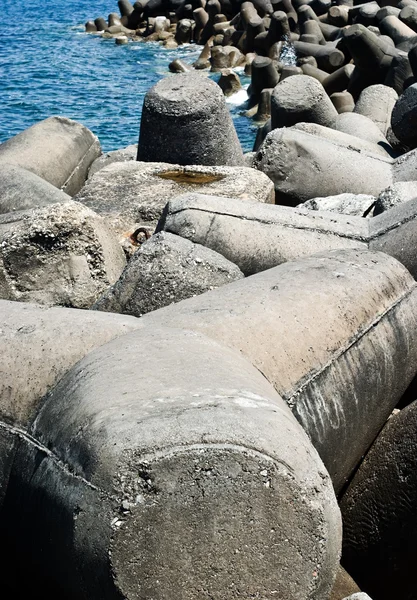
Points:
(209, 438)
(347, 47)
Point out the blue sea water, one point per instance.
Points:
(50, 66)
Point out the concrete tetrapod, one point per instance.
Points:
(37, 347)
(174, 472)
(304, 166)
(57, 149)
(185, 120)
(257, 237)
(20, 189)
(379, 507)
(335, 333)
(60, 254)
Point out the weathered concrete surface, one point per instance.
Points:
(358, 144)
(166, 269)
(380, 510)
(404, 115)
(164, 449)
(57, 149)
(304, 166)
(404, 167)
(395, 194)
(38, 345)
(122, 155)
(345, 204)
(185, 121)
(61, 254)
(335, 333)
(257, 237)
(343, 586)
(20, 189)
(133, 194)
(301, 99)
(363, 127)
(376, 102)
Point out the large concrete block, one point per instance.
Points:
(164, 464)
(346, 204)
(38, 345)
(360, 126)
(60, 254)
(404, 115)
(395, 194)
(20, 189)
(255, 237)
(165, 269)
(57, 149)
(376, 102)
(304, 166)
(335, 333)
(301, 99)
(380, 512)
(133, 194)
(258, 237)
(185, 121)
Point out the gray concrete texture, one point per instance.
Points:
(185, 121)
(304, 165)
(162, 450)
(346, 204)
(166, 269)
(20, 190)
(131, 194)
(301, 99)
(329, 333)
(258, 237)
(380, 512)
(404, 117)
(57, 149)
(376, 102)
(395, 194)
(60, 254)
(363, 127)
(343, 586)
(38, 346)
(122, 155)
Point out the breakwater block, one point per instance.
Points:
(21, 190)
(257, 237)
(38, 346)
(379, 509)
(321, 330)
(60, 254)
(304, 165)
(185, 121)
(164, 449)
(166, 268)
(57, 149)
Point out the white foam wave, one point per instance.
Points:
(239, 97)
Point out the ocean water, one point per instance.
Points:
(50, 66)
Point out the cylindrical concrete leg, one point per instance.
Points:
(190, 459)
(338, 81)
(328, 58)
(264, 75)
(185, 121)
(376, 102)
(298, 99)
(343, 102)
(379, 509)
(57, 149)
